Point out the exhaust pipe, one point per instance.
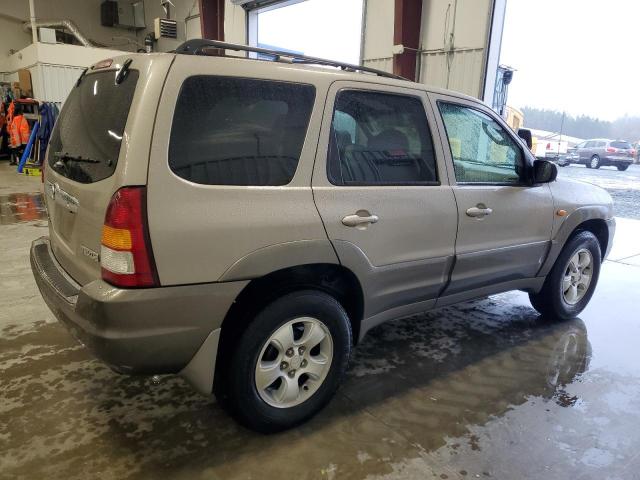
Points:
(66, 24)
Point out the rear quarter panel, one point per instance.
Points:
(199, 232)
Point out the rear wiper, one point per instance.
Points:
(74, 158)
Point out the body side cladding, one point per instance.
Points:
(393, 286)
(269, 259)
(570, 224)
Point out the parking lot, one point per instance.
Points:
(438, 395)
(624, 187)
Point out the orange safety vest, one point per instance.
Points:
(10, 111)
(19, 131)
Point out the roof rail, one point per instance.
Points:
(198, 46)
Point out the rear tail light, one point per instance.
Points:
(126, 257)
(611, 150)
(632, 152)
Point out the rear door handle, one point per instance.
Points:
(479, 211)
(358, 220)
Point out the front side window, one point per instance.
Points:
(380, 139)
(239, 131)
(482, 151)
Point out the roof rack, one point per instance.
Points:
(198, 46)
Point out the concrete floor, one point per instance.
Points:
(481, 390)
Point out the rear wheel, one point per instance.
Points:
(595, 162)
(622, 168)
(289, 361)
(572, 280)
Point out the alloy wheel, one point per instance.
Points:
(577, 276)
(294, 362)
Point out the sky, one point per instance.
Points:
(578, 56)
(314, 28)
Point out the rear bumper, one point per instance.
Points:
(155, 330)
(617, 160)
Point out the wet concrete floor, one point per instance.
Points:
(486, 389)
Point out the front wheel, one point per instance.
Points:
(595, 162)
(622, 168)
(572, 280)
(289, 361)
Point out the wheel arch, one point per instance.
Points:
(333, 279)
(592, 219)
(599, 228)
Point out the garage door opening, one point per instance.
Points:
(320, 28)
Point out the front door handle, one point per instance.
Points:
(360, 219)
(479, 211)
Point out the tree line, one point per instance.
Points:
(582, 126)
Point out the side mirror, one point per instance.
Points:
(544, 171)
(525, 134)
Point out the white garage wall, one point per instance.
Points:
(455, 34)
(378, 35)
(454, 37)
(86, 14)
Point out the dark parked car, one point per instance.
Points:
(600, 152)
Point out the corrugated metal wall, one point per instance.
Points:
(460, 70)
(454, 40)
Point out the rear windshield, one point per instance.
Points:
(85, 142)
(625, 145)
(239, 131)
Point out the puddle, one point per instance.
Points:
(22, 207)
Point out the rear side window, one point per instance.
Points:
(623, 145)
(238, 131)
(380, 139)
(85, 142)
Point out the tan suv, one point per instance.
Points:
(245, 222)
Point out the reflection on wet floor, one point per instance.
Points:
(22, 207)
(486, 389)
(414, 385)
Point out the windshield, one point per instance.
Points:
(85, 142)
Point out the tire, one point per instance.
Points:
(552, 301)
(594, 162)
(622, 168)
(260, 409)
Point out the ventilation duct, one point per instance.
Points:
(66, 24)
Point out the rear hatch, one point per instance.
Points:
(99, 144)
(622, 149)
